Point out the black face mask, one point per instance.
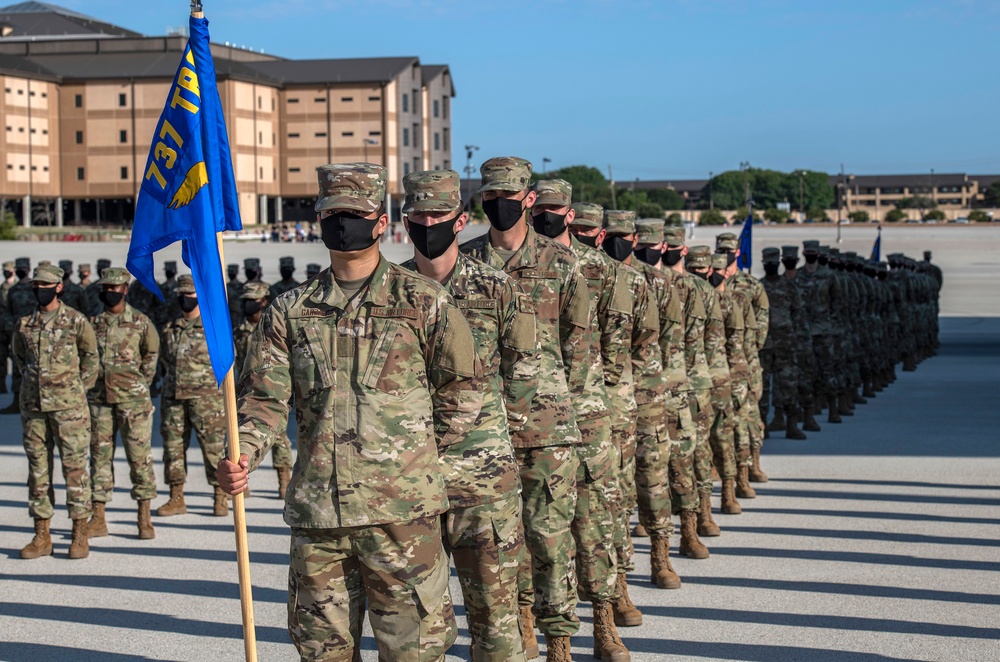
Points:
(433, 241)
(824, 260)
(232, 274)
(187, 303)
(170, 274)
(617, 247)
(344, 231)
(790, 263)
(811, 258)
(587, 241)
(648, 255)
(110, 299)
(251, 274)
(251, 307)
(869, 272)
(83, 276)
(770, 269)
(882, 275)
(286, 272)
(700, 274)
(7, 274)
(44, 295)
(503, 212)
(21, 273)
(672, 256)
(716, 278)
(549, 224)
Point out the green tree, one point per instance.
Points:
(895, 216)
(589, 185)
(7, 225)
(979, 216)
(667, 198)
(741, 215)
(711, 217)
(991, 196)
(817, 214)
(776, 215)
(916, 202)
(649, 210)
(674, 219)
(934, 215)
(860, 216)
(768, 188)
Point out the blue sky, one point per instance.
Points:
(666, 89)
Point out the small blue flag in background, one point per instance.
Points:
(877, 247)
(746, 243)
(188, 192)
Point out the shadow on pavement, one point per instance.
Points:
(885, 483)
(198, 587)
(46, 653)
(884, 536)
(749, 652)
(879, 496)
(909, 517)
(227, 556)
(858, 557)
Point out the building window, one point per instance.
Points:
(437, 108)
(320, 99)
(45, 95)
(406, 102)
(293, 101)
(20, 129)
(444, 107)
(406, 168)
(10, 128)
(437, 141)
(406, 137)
(416, 104)
(262, 173)
(416, 135)
(347, 134)
(45, 169)
(416, 163)
(260, 137)
(374, 98)
(31, 94)
(124, 172)
(7, 90)
(321, 134)
(346, 99)
(34, 131)
(123, 136)
(122, 100)
(20, 167)
(272, 104)
(45, 132)
(260, 103)
(293, 135)
(446, 139)
(10, 166)
(79, 137)
(295, 170)
(274, 139)
(20, 92)
(374, 133)
(78, 101)
(447, 164)
(34, 168)
(79, 174)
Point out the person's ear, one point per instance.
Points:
(463, 220)
(383, 223)
(570, 215)
(529, 200)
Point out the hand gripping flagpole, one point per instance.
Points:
(233, 437)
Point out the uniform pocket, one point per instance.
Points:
(395, 363)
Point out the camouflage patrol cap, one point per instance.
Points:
(66, 265)
(232, 267)
(169, 265)
(619, 221)
(790, 251)
(649, 230)
(47, 274)
(699, 257)
(312, 269)
(823, 250)
(114, 276)
(255, 290)
(353, 186)
(45, 263)
(505, 173)
(674, 235)
(727, 242)
(8, 265)
(22, 263)
(557, 192)
(770, 255)
(103, 263)
(432, 190)
(810, 246)
(185, 284)
(720, 261)
(251, 263)
(588, 215)
(84, 267)
(286, 261)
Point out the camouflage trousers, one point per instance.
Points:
(654, 447)
(702, 415)
(547, 577)
(744, 406)
(4, 349)
(400, 570)
(781, 374)
(722, 435)
(683, 487)
(281, 451)
(806, 377)
(487, 543)
(205, 416)
(599, 504)
(69, 430)
(626, 441)
(828, 369)
(134, 420)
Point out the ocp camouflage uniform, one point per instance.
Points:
(57, 356)
(483, 530)
(128, 346)
(6, 326)
(735, 386)
(234, 292)
(545, 449)
(285, 284)
(93, 290)
(822, 295)
(779, 359)
(72, 295)
(20, 302)
(379, 383)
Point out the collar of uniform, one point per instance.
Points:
(41, 315)
(329, 293)
(525, 256)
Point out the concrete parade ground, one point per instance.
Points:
(876, 539)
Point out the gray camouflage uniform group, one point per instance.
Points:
(505, 403)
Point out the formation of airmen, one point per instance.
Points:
(507, 403)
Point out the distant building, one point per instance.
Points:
(82, 98)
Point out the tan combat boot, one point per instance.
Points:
(691, 545)
(41, 544)
(743, 488)
(663, 574)
(607, 644)
(756, 474)
(79, 548)
(792, 430)
(146, 531)
(176, 505)
(98, 526)
(626, 615)
(706, 525)
(284, 475)
(220, 505)
(730, 506)
(639, 531)
(777, 423)
(557, 649)
(528, 638)
(809, 423)
(715, 475)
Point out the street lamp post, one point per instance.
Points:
(469, 150)
(369, 141)
(802, 211)
(545, 162)
(711, 202)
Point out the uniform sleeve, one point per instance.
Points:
(616, 312)
(647, 366)
(455, 375)
(265, 387)
(520, 354)
(86, 348)
(150, 349)
(17, 347)
(575, 338)
(762, 312)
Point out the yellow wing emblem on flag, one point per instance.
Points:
(195, 179)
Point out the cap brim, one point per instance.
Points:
(347, 202)
(552, 199)
(499, 186)
(429, 205)
(44, 280)
(584, 223)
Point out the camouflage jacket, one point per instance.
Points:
(282, 286)
(480, 468)
(731, 306)
(57, 356)
(171, 308)
(715, 333)
(241, 339)
(187, 367)
(667, 301)
(550, 275)
(143, 300)
(783, 312)
(94, 305)
(21, 300)
(646, 357)
(128, 345)
(822, 296)
(74, 296)
(6, 320)
(378, 387)
(754, 290)
(695, 320)
(234, 290)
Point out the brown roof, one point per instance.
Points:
(39, 20)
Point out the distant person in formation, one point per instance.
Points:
(6, 322)
(384, 372)
(72, 294)
(93, 290)
(191, 402)
(252, 270)
(253, 300)
(805, 357)
(286, 266)
(823, 298)
(312, 269)
(234, 290)
(21, 301)
(483, 526)
(55, 350)
(129, 347)
(168, 290)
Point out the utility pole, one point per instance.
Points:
(840, 202)
(545, 163)
(745, 167)
(802, 210)
(611, 180)
(469, 149)
(711, 202)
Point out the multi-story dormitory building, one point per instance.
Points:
(81, 99)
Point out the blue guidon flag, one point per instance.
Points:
(877, 247)
(188, 192)
(746, 243)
